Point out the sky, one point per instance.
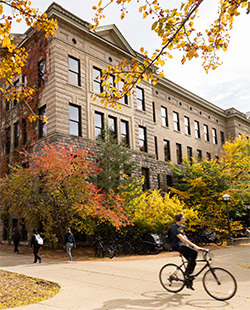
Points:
(228, 86)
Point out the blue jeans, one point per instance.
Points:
(69, 247)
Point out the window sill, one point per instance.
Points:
(77, 86)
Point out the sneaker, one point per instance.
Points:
(189, 284)
(70, 261)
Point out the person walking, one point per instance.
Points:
(16, 237)
(36, 242)
(184, 246)
(69, 243)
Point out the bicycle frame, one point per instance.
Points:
(207, 265)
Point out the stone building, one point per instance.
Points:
(159, 123)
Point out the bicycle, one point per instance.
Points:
(219, 283)
(101, 245)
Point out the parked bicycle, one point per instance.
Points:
(219, 283)
(103, 247)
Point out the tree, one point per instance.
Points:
(155, 213)
(13, 58)
(176, 29)
(201, 185)
(55, 191)
(115, 162)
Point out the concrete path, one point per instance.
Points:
(130, 284)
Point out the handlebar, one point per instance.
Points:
(206, 252)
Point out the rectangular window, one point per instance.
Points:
(16, 85)
(124, 98)
(178, 153)
(164, 116)
(169, 180)
(112, 124)
(8, 104)
(176, 121)
(214, 134)
(41, 73)
(197, 129)
(166, 146)
(189, 153)
(187, 125)
(153, 109)
(222, 137)
(199, 155)
(42, 127)
(97, 82)
(7, 140)
(99, 125)
(140, 99)
(74, 120)
(142, 139)
(208, 155)
(24, 131)
(206, 133)
(74, 71)
(156, 148)
(125, 133)
(16, 135)
(159, 180)
(145, 174)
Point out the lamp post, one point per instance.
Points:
(226, 198)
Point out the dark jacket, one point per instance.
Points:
(69, 237)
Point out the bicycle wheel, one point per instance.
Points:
(172, 278)
(218, 242)
(219, 283)
(110, 252)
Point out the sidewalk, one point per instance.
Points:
(120, 284)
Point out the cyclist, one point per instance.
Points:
(187, 248)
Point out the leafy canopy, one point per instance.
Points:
(177, 31)
(13, 58)
(201, 185)
(55, 191)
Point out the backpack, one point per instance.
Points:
(39, 239)
(71, 238)
(167, 241)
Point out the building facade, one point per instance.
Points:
(158, 123)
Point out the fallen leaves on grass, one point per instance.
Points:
(19, 290)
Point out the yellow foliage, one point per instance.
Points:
(154, 212)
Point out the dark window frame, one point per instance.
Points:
(145, 173)
(143, 138)
(197, 130)
(140, 99)
(164, 116)
(42, 127)
(113, 131)
(178, 153)
(97, 82)
(153, 109)
(190, 153)
(124, 98)
(199, 155)
(176, 120)
(214, 134)
(166, 147)
(125, 135)
(16, 129)
(74, 73)
(77, 121)
(99, 128)
(206, 133)
(187, 125)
